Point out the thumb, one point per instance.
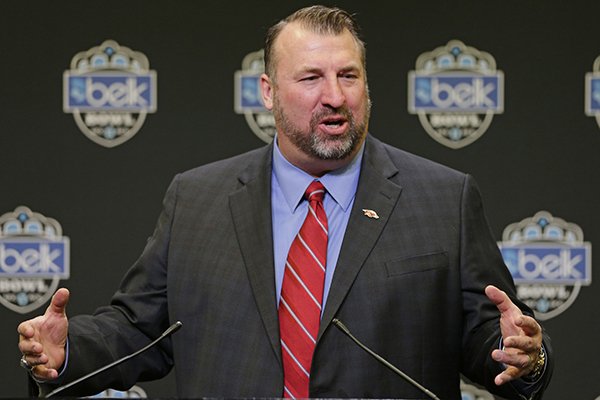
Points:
(499, 298)
(59, 301)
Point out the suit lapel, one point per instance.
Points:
(375, 192)
(251, 212)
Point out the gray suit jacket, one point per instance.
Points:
(409, 285)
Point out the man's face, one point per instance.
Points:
(318, 96)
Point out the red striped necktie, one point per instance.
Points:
(302, 295)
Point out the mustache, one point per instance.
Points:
(343, 111)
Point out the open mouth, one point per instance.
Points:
(334, 123)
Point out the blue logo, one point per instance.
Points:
(109, 90)
(557, 263)
(34, 257)
(135, 392)
(104, 92)
(592, 91)
(592, 94)
(452, 92)
(471, 392)
(548, 260)
(455, 90)
(248, 96)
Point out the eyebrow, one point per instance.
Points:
(317, 70)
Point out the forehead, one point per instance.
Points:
(296, 42)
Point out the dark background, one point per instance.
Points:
(540, 154)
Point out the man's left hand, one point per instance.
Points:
(522, 338)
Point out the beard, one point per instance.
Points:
(318, 145)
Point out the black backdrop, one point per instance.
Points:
(540, 154)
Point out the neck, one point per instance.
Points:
(318, 167)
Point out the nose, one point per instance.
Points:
(333, 93)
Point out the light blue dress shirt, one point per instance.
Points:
(289, 209)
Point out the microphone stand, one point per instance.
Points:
(172, 329)
(410, 380)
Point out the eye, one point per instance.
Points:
(309, 78)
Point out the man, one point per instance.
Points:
(396, 246)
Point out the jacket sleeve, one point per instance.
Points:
(137, 314)
(482, 265)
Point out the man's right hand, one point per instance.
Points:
(42, 339)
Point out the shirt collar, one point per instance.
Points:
(341, 184)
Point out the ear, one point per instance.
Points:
(266, 87)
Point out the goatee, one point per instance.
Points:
(318, 145)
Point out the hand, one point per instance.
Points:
(42, 339)
(522, 338)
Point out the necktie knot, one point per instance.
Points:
(315, 192)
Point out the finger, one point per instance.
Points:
(44, 374)
(30, 347)
(25, 330)
(518, 359)
(499, 298)
(506, 376)
(523, 343)
(59, 301)
(35, 359)
(529, 325)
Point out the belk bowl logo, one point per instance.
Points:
(34, 257)
(248, 97)
(592, 92)
(135, 392)
(549, 262)
(471, 392)
(109, 90)
(455, 90)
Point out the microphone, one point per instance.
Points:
(170, 330)
(407, 378)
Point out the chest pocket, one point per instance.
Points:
(418, 263)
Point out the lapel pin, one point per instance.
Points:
(370, 213)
